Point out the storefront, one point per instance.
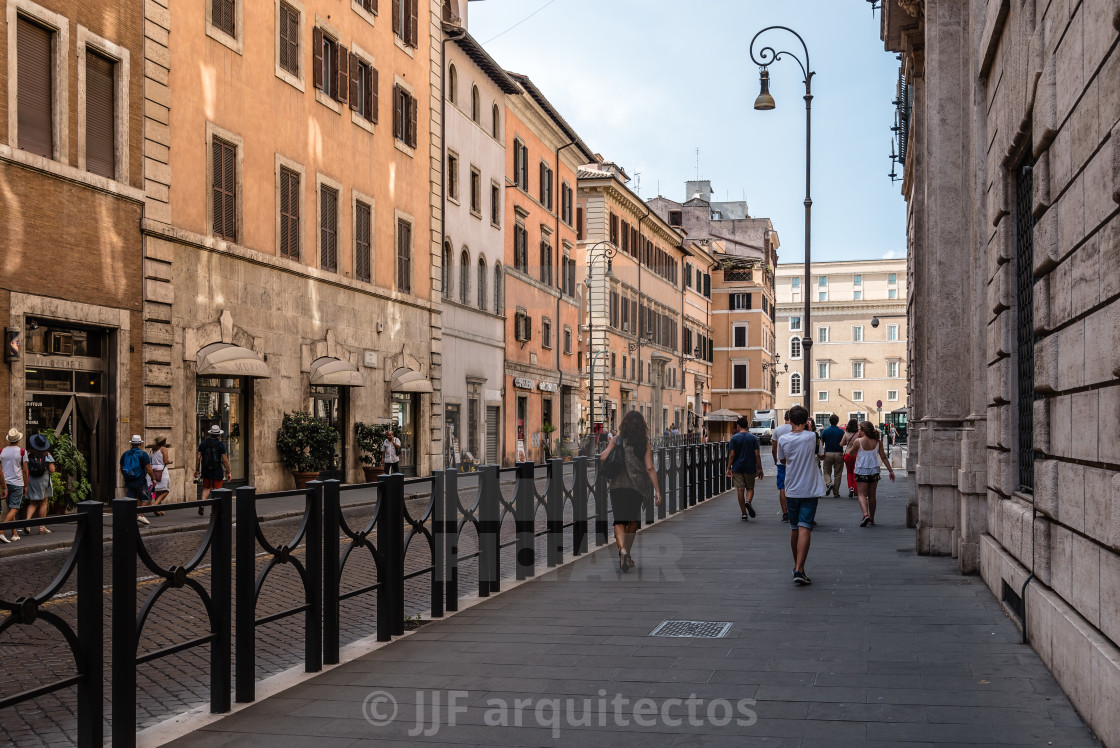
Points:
(331, 380)
(404, 409)
(223, 398)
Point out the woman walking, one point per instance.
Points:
(630, 487)
(868, 448)
(851, 432)
(40, 465)
(160, 460)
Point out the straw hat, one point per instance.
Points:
(14, 436)
(160, 441)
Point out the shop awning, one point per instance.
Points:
(409, 380)
(333, 372)
(723, 415)
(224, 359)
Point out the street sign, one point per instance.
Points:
(879, 404)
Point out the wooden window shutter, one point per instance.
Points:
(289, 214)
(317, 57)
(413, 26)
(355, 82)
(225, 189)
(328, 229)
(362, 231)
(34, 88)
(289, 39)
(398, 113)
(411, 122)
(100, 106)
(579, 222)
(372, 95)
(397, 19)
(222, 15)
(342, 73)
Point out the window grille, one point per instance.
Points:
(1024, 307)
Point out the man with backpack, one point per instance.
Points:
(136, 467)
(13, 459)
(744, 464)
(213, 461)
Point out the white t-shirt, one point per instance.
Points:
(803, 476)
(781, 431)
(13, 465)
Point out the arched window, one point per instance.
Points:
(795, 384)
(447, 270)
(464, 277)
(452, 85)
(499, 289)
(795, 347)
(496, 129)
(482, 283)
(476, 105)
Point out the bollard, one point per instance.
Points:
(439, 545)
(91, 642)
(579, 506)
(313, 543)
(391, 543)
(245, 607)
(690, 473)
(602, 526)
(124, 623)
(221, 598)
(489, 526)
(332, 515)
(554, 513)
(451, 537)
(524, 509)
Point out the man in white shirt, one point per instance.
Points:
(804, 486)
(781, 469)
(391, 453)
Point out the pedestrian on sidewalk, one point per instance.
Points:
(779, 468)
(391, 453)
(40, 465)
(744, 464)
(157, 450)
(212, 460)
(136, 467)
(13, 458)
(804, 487)
(850, 433)
(868, 448)
(832, 437)
(630, 487)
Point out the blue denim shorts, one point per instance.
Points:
(781, 476)
(15, 496)
(802, 512)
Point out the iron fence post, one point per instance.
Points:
(394, 556)
(313, 635)
(579, 506)
(245, 596)
(489, 527)
(124, 623)
(554, 512)
(647, 503)
(385, 533)
(332, 513)
(601, 525)
(451, 536)
(439, 544)
(663, 480)
(221, 597)
(690, 474)
(91, 642)
(524, 507)
(707, 457)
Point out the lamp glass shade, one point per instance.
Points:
(765, 101)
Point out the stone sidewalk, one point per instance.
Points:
(885, 648)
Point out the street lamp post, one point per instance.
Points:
(605, 250)
(765, 56)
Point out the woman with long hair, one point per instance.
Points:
(630, 487)
(868, 448)
(851, 432)
(160, 460)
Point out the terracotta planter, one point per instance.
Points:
(372, 472)
(302, 478)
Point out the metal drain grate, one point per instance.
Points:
(692, 629)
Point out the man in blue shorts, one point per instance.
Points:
(781, 469)
(804, 487)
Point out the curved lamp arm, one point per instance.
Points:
(767, 55)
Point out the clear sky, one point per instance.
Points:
(648, 82)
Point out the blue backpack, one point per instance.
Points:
(131, 466)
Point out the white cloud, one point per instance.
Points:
(890, 255)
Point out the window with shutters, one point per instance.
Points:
(521, 248)
(34, 87)
(613, 235)
(363, 88)
(482, 296)
(452, 84)
(405, 21)
(566, 203)
(495, 205)
(546, 333)
(223, 16)
(224, 188)
(476, 192)
(520, 164)
(546, 186)
(453, 177)
(739, 301)
(404, 256)
(546, 261)
(328, 228)
(496, 122)
(100, 127)
(288, 50)
(447, 270)
(740, 336)
(331, 66)
(579, 223)
(499, 290)
(464, 278)
(369, 6)
(289, 213)
(739, 376)
(476, 105)
(363, 241)
(404, 116)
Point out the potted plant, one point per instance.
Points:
(369, 438)
(68, 480)
(306, 445)
(547, 430)
(563, 450)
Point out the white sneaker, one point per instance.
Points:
(15, 536)
(143, 520)
(4, 538)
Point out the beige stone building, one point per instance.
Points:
(1010, 116)
(855, 364)
(290, 174)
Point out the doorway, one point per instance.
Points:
(223, 402)
(328, 404)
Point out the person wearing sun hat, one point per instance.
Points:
(40, 465)
(160, 460)
(136, 467)
(13, 460)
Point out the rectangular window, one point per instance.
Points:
(739, 301)
(405, 21)
(822, 334)
(363, 88)
(363, 240)
(822, 296)
(740, 336)
(579, 222)
(892, 293)
(101, 136)
(795, 324)
(476, 192)
(289, 214)
(452, 176)
(521, 248)
(892, 278)
(795, 283)
(567, 340)
(857, 396)
(566, 203)
(222, 16)
(857, 280)
(614, 229)
(328, 228)
(404, 116)
(520, 165)
(331, 72)
(892, 369)
(892, 332)
(823, 281)
(404, 256)
(1024, 318)
(546, 186)
(857, 333)
(546, 262)
(495, 205)
(857, 370)
(857, 295)
(546, 333)
(224, 189)
(34, 88)
(739, 376)
(289, 39)
(822, 370)
(892, 395)
(822, 396)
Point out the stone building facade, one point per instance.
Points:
(1011, 121)
(855, 364)
(293, 266)
(70, 208)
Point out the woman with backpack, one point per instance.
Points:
(631, 477)
(40, 465)
(157, 450)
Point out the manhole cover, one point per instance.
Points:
(692, 629)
